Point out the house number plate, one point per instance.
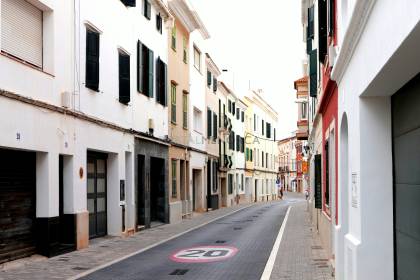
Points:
(204, 254)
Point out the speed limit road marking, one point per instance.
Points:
(203, 254)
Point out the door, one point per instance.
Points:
(141, 191)
(96, 194)
(406, 149)
(224, 192)
(256, 190)
(17, 204)
(157, 190)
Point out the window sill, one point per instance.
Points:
(185, 128)
(21, 61)
(174, 123)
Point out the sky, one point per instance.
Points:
(260, 44)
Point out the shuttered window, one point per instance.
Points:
(322, 29)
(159, 23)
(129, 3)
(185, 110)
(147, 9)
(145, 70)
(161, 81)
(242, 116)
(214, 84)
(173, 103)
(214, 126)
(209, 79)
(313, 73)
(92, 60)
(185, 50)
(197, 59)
(209, 127)
(238, 143)
(262, 127)
(269, 130)
(242, 145)
(331, 17)
(124, 78)
(173, 38)
(174, 175)
(21, 31)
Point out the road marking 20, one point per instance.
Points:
(201, 254)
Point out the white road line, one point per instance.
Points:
(271, 260)
(87, 272)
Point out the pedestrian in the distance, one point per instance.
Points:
(307, 194)
(279, 189)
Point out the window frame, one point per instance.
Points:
(197, 50)
(173, 102)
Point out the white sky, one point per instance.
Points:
(258, 41)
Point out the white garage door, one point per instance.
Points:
(21, 30)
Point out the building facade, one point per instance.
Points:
(78, 138)
(264, 145)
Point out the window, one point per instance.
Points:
(237, 113)
(274, 134)
(242, 145)
(247, 154)
(230, 183)
(250, 155)
(124, 78)
(229, 106)
(266, 160)
(147, 9)
(173, 103)
(214, 126)
(198, 119)
(322, 30)
(209, 79)
(185, 50)
(21, 31)
(173, 38)
(185, 110)
(197, 59)
(209, 127)
(262, 127)
(268, 132)
(159, 23)
(242, 182)
(233, 108)
(262, 159)
(214, 84)
(92, 60)
(173, 174)
(161, 81)
(238, 143)
(327, 174)
(145, 70)
(242, 116)
(313, 73)
(129, 3)
(304, 109)
(232, 141)
(331, 17)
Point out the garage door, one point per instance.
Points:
(406, 142)
(17, 204)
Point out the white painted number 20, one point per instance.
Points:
(204, 254)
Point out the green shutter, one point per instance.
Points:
(313, 73)
(209, 127)
(140, 68)
(208, 78)
(151, 73)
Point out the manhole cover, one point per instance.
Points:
(179, 272)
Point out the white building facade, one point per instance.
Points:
(80, 128)
(377, 234)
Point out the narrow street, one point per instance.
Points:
(251, 231)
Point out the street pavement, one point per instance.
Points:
(239, 241)
(251, 232)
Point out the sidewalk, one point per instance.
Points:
(300, 256)
(108, 249)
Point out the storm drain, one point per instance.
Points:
(237, 228)
(220, 241)
(179, 272)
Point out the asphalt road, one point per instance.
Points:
(251, 231)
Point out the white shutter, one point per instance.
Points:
(21, 30)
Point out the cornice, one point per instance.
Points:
(212, 65)
(352, 36)
(161, 7)
(189, 18)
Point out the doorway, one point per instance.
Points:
(196, 188)
(157, 190)
(141, 191)
(256, 190)
(17, 204)
(406, 150)
(96, 194)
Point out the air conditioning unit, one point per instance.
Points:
(66, 99)
(332, 55)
